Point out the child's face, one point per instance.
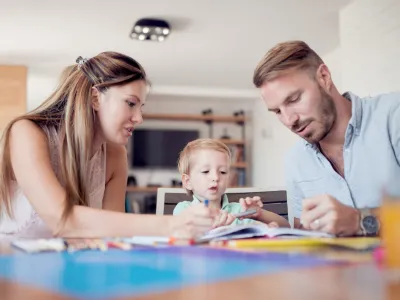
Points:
(209, 174)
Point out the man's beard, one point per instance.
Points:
(326, 114)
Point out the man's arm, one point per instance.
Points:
(394, 129)
(374, 212)
(371, 211)
(327, 214)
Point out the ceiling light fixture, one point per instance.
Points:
(150, 29)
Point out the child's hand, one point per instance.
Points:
(193, 222)
(223, 219)
(269, 225)
(248, 203)
(273, 225)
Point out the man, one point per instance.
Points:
(350, 146)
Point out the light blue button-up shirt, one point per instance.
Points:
(371, 156)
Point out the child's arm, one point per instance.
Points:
(267, 217)
(180, 207)
(261, 214)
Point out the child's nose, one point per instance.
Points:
(215, 177)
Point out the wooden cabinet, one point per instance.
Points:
(13, 82)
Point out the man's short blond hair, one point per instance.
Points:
(185, 156)
(285, 57)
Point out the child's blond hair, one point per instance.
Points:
(184, 161)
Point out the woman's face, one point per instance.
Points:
(119, 110)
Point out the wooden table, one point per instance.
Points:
(359, 281)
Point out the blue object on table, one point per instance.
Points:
(115, 273)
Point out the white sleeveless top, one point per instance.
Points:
(26, 222)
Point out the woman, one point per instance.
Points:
(63, 166)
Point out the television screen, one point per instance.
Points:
(158, 148)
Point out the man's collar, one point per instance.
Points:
(356, 111)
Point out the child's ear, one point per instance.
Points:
(186, 182)
(95, 99)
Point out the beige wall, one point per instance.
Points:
(370, 46)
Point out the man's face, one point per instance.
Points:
(301, 104)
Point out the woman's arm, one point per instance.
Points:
(116, 178)
(30, 160)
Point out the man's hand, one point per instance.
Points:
(325, 213)
(248, 203)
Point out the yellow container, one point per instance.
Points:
(390, 232)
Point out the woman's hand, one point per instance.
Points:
(193, 222)
(223, 219)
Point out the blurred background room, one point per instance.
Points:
(201, 66)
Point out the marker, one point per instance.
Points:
(246, 213)
(173, 241)
(119, 245)
(206, 203)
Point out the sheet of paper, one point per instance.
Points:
(148, 240)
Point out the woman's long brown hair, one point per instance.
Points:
(69, 110)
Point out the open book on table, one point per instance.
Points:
(257, 230)
(235, 232)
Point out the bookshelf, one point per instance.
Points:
(237, 147)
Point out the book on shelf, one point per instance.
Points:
(238, 175)
(236, 153)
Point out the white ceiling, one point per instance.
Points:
(214, 44)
